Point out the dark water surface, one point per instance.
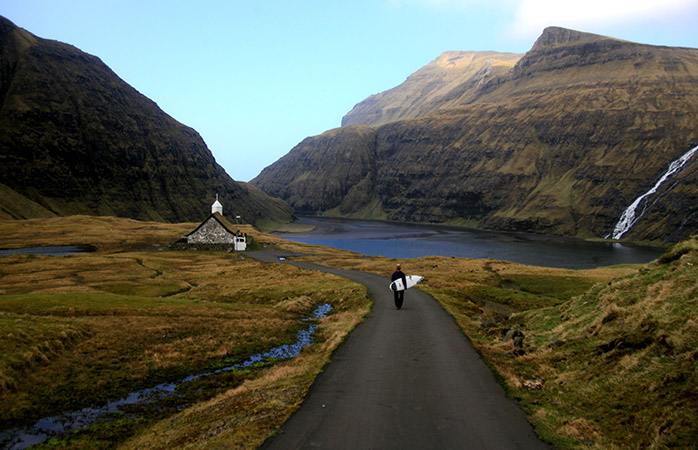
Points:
(56, 250)
(412, 241)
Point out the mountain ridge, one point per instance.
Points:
(561, 143)
(557, 36)
(77, 139)
(436, 85)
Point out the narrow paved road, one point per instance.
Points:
(404, 379)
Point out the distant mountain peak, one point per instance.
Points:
(556, 36)
(456, 59)
(559, 141)
(448, 80)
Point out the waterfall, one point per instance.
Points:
(629, 218)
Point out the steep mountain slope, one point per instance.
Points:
(76, 139)
(562, 143)
(440, 84)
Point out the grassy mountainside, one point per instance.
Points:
(635, 342)
(438, 85)
(76, 139)
(615, 367)
(562, 143)
(334, 169)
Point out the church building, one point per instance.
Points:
(217, 230)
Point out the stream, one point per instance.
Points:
(49, 427)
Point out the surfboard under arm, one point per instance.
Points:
(412, 280)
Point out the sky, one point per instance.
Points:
(255, 78)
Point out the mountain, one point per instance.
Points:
(77, 139)
(438, 85)
(560, 143)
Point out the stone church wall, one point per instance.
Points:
(211, 232)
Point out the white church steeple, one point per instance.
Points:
(217, 207)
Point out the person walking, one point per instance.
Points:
(399, 295)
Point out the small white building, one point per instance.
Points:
(217, 230)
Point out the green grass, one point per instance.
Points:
(560, 287)
(624, 370)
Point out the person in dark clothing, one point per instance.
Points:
(399, 295)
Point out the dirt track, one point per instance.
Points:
(404, 379)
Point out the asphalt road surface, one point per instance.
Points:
(406, 379)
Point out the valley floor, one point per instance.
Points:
(601, 358)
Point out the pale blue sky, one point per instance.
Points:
(255, 78)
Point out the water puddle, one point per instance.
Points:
(55, 250)
(21, 438)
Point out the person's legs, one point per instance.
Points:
(399, 298)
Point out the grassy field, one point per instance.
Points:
(84, 329)
(602, 358)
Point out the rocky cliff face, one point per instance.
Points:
(561, 143)
(76, 139)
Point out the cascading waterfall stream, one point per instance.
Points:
(630, 216)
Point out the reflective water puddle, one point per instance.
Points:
(55, 250)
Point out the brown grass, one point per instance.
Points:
(623, 371)
(244, 417)
(82, 329)
(610, 354)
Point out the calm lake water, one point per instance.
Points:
(412, 241)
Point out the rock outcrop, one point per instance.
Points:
(561, 143)
(76, 139)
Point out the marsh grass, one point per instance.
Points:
(105, 233)
(85, 329)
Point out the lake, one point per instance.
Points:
(406, 241)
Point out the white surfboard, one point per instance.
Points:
(412, 280)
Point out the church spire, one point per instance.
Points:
(217, 207)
